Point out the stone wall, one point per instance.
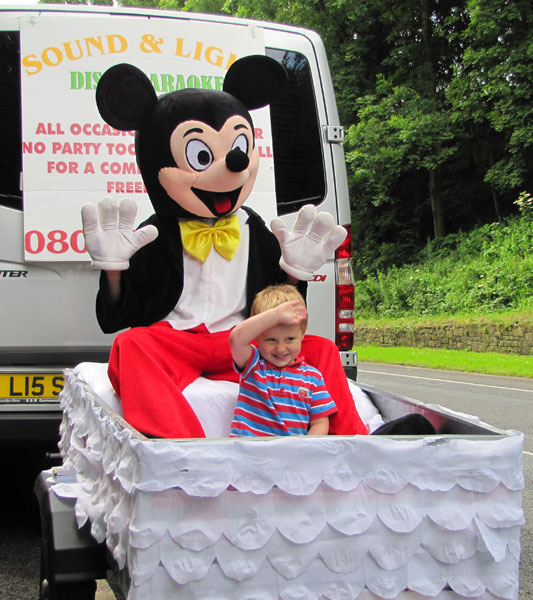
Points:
(509, 338)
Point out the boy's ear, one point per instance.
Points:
(125, 97)
(255, 80)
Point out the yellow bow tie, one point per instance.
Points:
(198, 237)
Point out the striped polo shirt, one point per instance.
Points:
(279, 401)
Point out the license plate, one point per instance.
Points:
(30, 388)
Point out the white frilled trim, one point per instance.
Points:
(297, 518)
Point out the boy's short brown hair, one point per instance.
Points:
(273, 296)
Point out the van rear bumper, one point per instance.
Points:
(349, 362)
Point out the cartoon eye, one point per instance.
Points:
(241, 142)
(199, 155)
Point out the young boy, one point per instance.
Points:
(279, 393)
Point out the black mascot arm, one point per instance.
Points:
(264, 255)
(150, 287)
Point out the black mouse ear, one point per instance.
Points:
(125, 96)
(255, 80)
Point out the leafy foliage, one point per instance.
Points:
(407, 133)
(492, 88)
(488, 270)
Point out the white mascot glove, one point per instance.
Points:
(311, 241)
(109, 233)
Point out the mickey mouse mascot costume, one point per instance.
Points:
(189, 273)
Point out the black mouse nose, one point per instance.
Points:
(237, 160)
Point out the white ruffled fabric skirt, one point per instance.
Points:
(337, 517)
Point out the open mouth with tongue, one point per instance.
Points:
(219, 203)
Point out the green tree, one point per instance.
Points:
(492, 92)
(398, 132)
(402, 141)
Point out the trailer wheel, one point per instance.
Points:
(68, 591)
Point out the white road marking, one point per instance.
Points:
(498, 387)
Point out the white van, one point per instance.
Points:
(57, 154)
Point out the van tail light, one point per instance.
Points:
(344, 294)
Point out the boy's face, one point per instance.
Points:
(281, 345)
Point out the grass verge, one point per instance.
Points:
(488, 363)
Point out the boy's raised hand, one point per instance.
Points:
(291, 313)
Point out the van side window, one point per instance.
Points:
(10, 125)
(298, 164)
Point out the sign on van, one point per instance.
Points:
(70, 156)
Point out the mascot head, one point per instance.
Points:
(195, 148)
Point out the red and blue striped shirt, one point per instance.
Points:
(279, 401)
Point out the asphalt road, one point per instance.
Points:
(503, 402)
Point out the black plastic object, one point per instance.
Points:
(71, 559)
